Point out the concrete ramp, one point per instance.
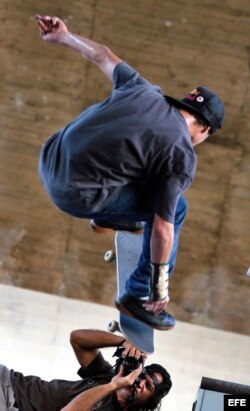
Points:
(34, 339)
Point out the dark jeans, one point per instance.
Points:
(138, 284)
(129, 203)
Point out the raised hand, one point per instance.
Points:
(156, 306)
(120, 381)
(51, 28)
(132, 351)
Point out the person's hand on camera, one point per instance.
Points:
(119, 380)
(131, 351)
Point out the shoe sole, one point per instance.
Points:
(128, 313)
(101, 230)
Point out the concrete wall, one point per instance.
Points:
(177, 44)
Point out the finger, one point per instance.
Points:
(138, 354)
(135, 352)
(48, 18)
(148, 305)
(121, 370)
(45, 19)
(43, 26)
(158, 308)
(127, 349)
(155, 307)
(132, 351)
(44, 23)
(134, 374)
(158, 311)
(151, 305)
(130, 378)
(55, 21)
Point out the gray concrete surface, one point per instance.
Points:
(35, 327)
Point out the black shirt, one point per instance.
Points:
(134, 136)
(34, 394)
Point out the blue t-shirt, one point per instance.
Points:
(134, 136)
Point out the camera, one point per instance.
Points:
(129, 363)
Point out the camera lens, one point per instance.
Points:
(130, 364)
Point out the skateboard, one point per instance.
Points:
(127, 252)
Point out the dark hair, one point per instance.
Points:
(201, 121)
(161, 389)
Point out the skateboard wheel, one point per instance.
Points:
(113, 326)
(109, 256)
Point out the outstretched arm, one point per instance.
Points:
(86, 344)
(54, 30)
(87, 399)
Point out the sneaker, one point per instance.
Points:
(103, 227)
(133, 307)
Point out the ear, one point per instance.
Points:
(205, 129)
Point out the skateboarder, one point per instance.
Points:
(125, 163)
(100, 386)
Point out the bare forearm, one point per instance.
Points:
(161, 241)
(86, 400)
(90, 49)
(86, 343)
(93, 339)
(160, 249)
(95, 52)
(54, 30)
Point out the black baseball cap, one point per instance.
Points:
(204, 103)
(161, 389)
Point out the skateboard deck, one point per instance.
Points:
(128, 249)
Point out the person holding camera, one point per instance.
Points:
(126, 386)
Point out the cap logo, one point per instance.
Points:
(200, 99)
(195, 96)
(195, 92)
